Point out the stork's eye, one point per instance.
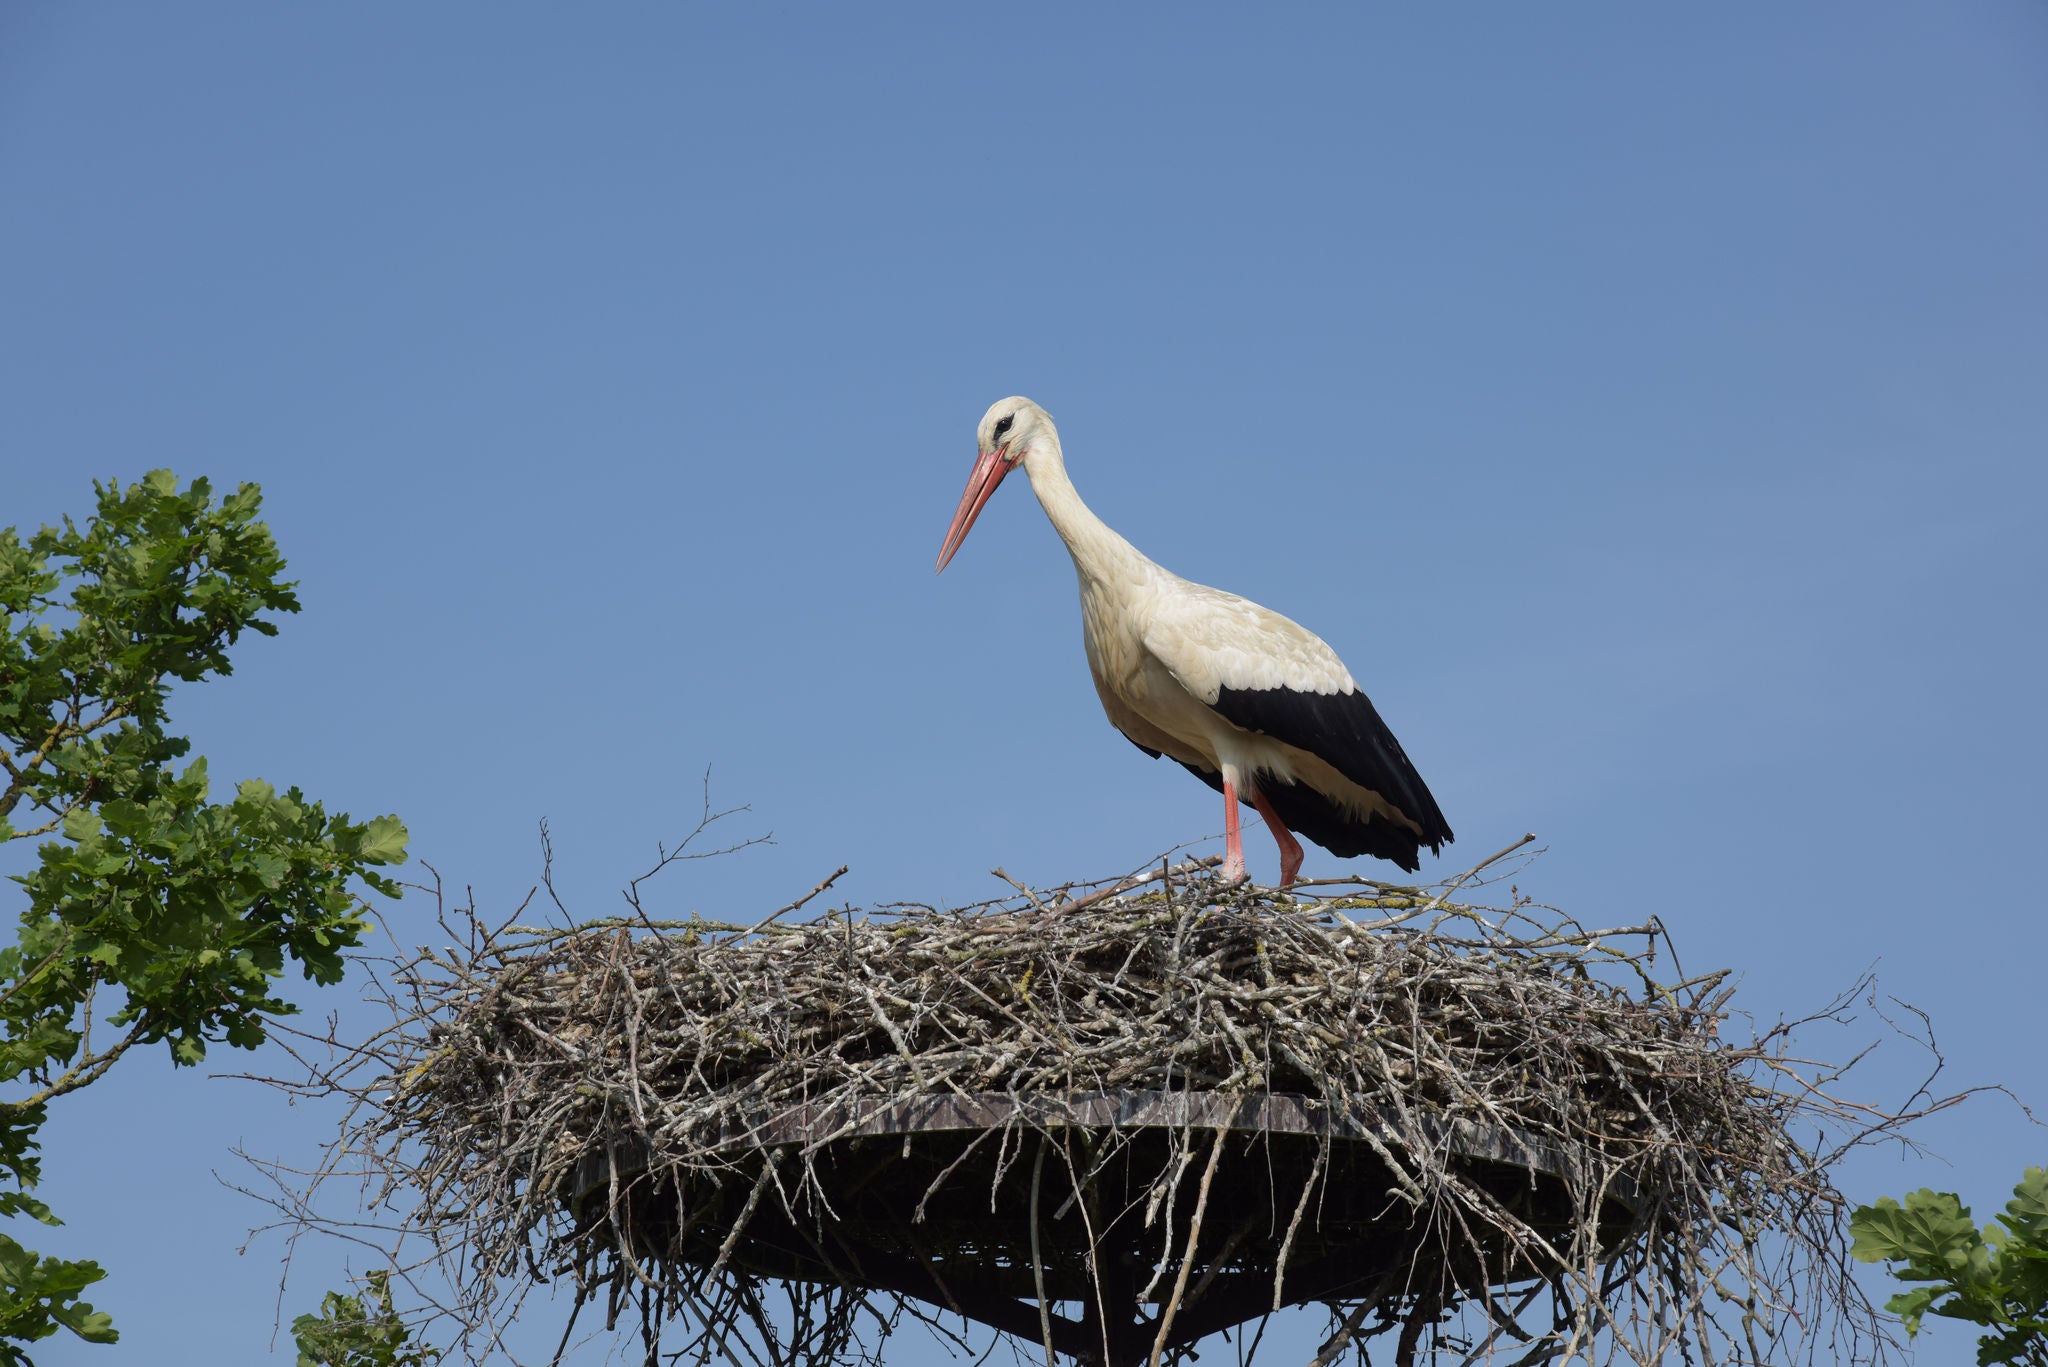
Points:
(1004, 426)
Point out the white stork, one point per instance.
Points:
(1248, 701)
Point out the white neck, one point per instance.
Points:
(1097, 550)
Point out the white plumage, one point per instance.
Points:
(1250, 702)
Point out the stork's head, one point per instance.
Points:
(1010, 431)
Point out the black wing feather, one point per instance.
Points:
(1135, 741)
(1344, 730)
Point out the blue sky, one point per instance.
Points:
(1648, 405)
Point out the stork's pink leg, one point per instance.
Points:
(1290, 848)
(1233, 843)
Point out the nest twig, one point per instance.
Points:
(1470, 1134)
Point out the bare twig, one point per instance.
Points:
(772, 917)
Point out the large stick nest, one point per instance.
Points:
(1474, 1131)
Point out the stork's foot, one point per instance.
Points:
(1232, 871)
(1290, 866)
(1290, 848)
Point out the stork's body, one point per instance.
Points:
(1250, 702)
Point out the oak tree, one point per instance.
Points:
(154, 913)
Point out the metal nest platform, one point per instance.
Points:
(1111, 1121)
(1066, 1210)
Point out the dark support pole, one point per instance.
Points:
(1110, 1320)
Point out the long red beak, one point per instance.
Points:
(988, 473)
